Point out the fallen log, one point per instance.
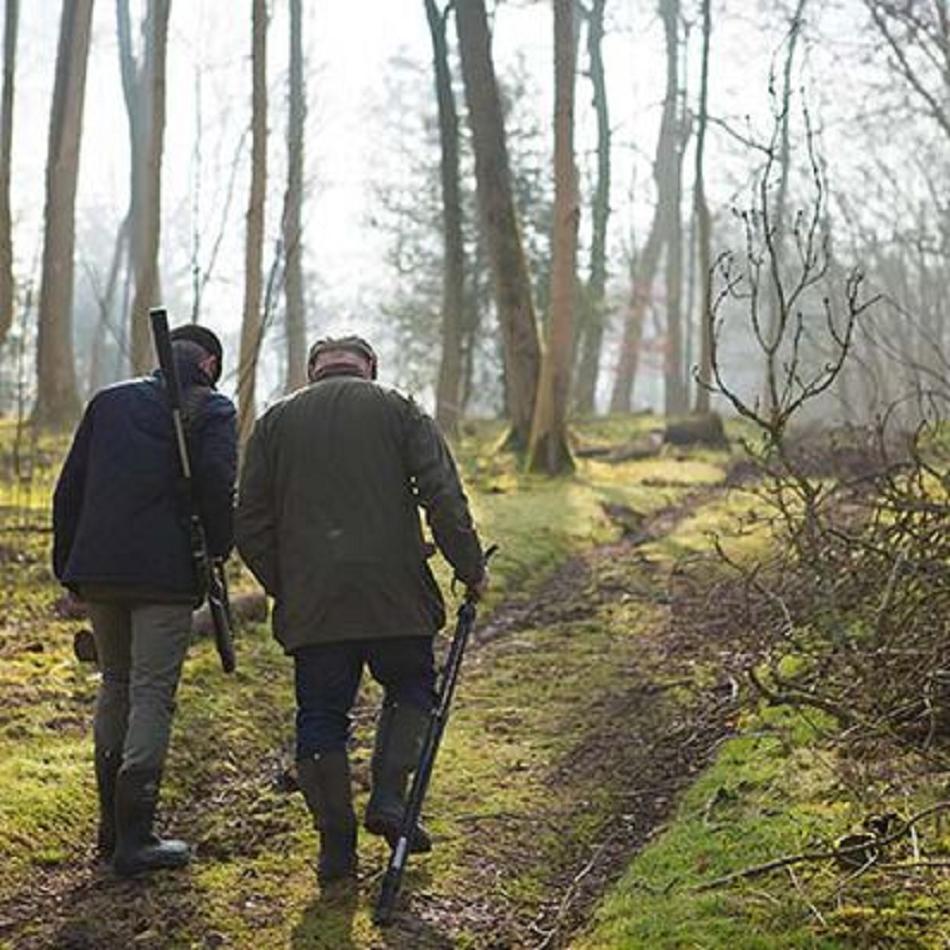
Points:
(703, 429)
(593, 451)
(644, 448)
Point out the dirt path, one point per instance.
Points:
(560, 794)
(634, 745)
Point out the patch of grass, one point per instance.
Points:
(44, 802)
(230, 733)
(539, 522)
(773, 791)
(739, 520)
(740, 812)
(526, 707)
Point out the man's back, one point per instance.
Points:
(338, 454)
(121, 541)
(121, 516)
(333, 477)
(328, 522)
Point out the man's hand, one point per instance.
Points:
(475, 592)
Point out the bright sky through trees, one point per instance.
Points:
(349, 49)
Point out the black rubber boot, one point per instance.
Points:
(324, 780)
(138, 849)
(399, 736)
(107, 769)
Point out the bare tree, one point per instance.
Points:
(703, 226)
(804, 299)
(252, 324)
(592, 336)
(779, 212)
(57, 403)
(549, 451)
(499, 222)
(12, 9)
(448, 387)
(671, 195)
(293, 200)
(143, 88)
(917, 35)
(667, 172)
(105, 301)
(149, 223)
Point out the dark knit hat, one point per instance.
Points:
(205, 338)
(350, 344)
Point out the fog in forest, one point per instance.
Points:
(824, 122)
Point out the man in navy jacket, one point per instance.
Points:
(122, 544)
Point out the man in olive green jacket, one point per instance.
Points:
(328, 521)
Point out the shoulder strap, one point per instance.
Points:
(193, 401)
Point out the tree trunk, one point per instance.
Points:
(149, 209)
(448, 388)
(666, 230)
(7, 293)
(671, 199)
(471, 311)
(57, 404)
(549, 451)
(499, 221)
(106, 303)
(293, 251)
(643, 270)
(251, 325)
(704, 227)
(592, 339)
(133, 90)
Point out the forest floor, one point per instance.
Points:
(601, 758)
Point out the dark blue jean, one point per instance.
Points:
(327, 677)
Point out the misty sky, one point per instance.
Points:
(349, 48)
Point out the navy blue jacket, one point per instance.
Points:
(120, 518)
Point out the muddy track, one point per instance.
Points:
(637, 743)
(559, 598)
(638, 746)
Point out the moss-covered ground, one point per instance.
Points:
(587, 732)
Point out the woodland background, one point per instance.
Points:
(292, 178)
(687, 256)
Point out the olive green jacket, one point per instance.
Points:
(328, 514)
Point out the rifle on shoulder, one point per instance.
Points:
(210, 570)
(392, 880)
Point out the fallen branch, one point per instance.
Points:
(759, 869)
(818, 916)
(790, 697)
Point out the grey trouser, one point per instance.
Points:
(141, 649)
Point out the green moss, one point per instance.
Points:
(741, 811)
(526, 705)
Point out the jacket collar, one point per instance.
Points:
(338, 369)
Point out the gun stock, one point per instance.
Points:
(220, 608)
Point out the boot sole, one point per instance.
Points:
(149, 869)
(136, 869)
